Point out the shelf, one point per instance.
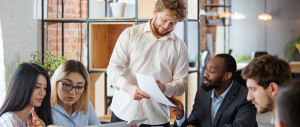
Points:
(112, 18)
(146, 7)
(65, 20)
(102, 39)
(217, 5)
(100, 69)
(216, 25)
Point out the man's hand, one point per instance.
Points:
(135, 92)
(178, 111)
(161, 86)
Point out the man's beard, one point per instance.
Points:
(155, 28)
(214, 85)
(266, 108)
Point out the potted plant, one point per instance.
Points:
(51, 62)
(242, 58)
(292, 48)
(117, 8)
(193, 59)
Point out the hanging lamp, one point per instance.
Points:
(225, 14)
(238, 15)
(265, 16)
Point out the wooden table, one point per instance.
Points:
(295, 66)
(107, 118)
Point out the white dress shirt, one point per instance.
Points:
(138, 51)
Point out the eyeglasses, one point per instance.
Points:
(69, 87)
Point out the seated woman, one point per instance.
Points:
(28, 88)
(70, 96)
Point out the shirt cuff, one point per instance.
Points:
(120, 82)
(180, 122)
(168, 90)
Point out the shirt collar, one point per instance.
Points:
(148, 29)
(222, 95)
(62, 110)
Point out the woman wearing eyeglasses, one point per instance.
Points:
(70, 96)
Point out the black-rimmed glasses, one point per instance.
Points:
(69, 87)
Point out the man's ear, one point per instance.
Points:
(154, 11)
(273, 87)
(280, 123)
(228, 75)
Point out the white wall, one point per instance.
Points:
(249, 34)
(21, 32)
(2, 69)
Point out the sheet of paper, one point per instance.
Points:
(147, 84)
(116, 124)
(137, 122)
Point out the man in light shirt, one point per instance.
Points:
(150, 49)
(264, 75)
(221, 101)
(287, 105)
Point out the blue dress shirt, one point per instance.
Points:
(61, 117)
(215, 104)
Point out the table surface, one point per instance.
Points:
(295, 66)
(107, 118)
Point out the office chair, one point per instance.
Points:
(204, 60)
(230, 51)
(258, 54)
(237, 76)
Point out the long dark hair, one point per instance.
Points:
(21, 88)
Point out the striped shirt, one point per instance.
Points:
(9, 119)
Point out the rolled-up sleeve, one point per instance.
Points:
(116, 66)
(179, 83)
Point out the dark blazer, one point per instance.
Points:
(235, 110)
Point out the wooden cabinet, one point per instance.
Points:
(103, 37)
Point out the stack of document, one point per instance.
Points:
(147, 84)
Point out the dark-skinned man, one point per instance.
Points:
(220, 102)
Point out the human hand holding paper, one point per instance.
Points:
(147, 84)
(134, 91)
(178, 111)
(161, 86)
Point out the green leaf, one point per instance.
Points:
(50, 63)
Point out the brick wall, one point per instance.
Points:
(206, 30)
(74, 33)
